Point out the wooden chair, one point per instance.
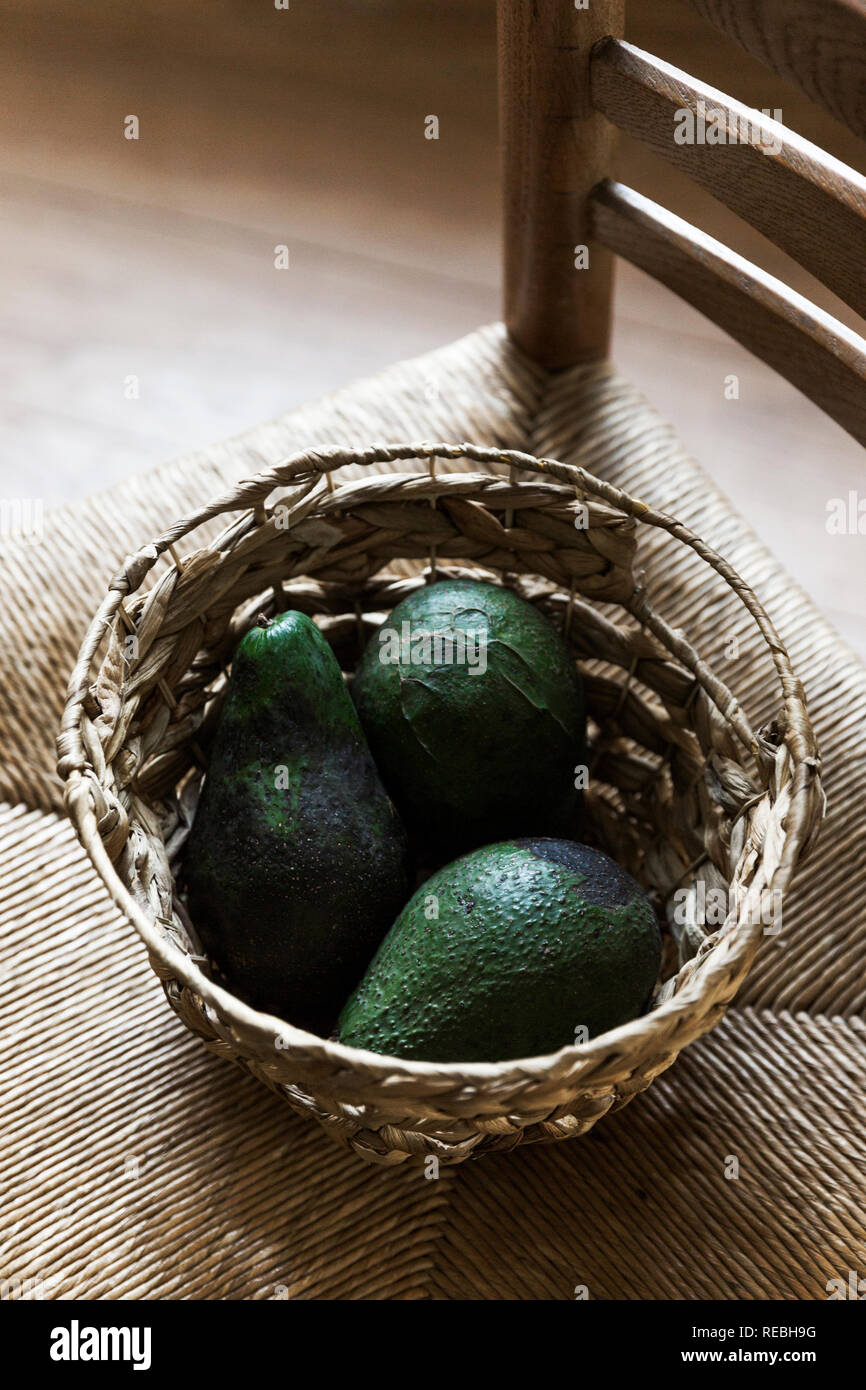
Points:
(568, 81)
(645, 1210)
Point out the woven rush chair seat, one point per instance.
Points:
(136, 1164)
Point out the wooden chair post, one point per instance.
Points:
(555, 149)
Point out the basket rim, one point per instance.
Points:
(736, 940)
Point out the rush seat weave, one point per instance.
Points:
(136, 1164)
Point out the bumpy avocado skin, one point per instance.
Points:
(292, 887)
(533, 938)
(474, 758)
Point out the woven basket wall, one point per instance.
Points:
(699, 806)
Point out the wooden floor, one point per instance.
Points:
(148, 265)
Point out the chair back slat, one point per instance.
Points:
(568, 80)
(811, 205)
(817, 354)
(819, 45)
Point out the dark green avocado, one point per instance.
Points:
(296, 862)
(473, 752)
(507, 952)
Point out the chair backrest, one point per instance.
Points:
(568, 80)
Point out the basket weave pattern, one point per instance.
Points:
(683, 792)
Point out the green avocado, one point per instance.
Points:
(297, 860)
(473, 709)
(505, 953)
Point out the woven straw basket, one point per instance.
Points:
(683, 792)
